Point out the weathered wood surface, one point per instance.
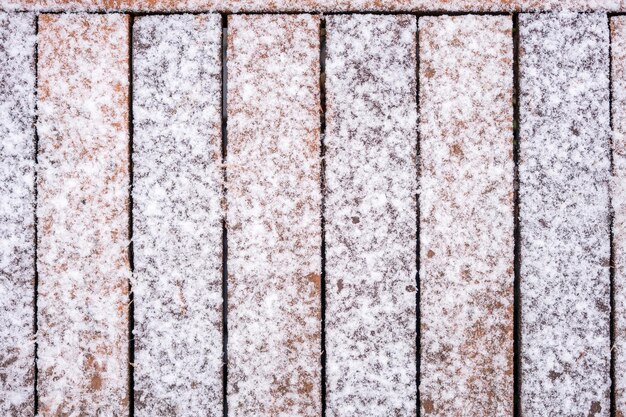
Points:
(274, 216)
(466, 215)
(370, 212)
(17, 214)
(564, 214)
(83, 190)
(177, 216)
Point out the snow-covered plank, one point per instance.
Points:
(466, 215)
(564, 214)
(618, 197)
(83, 189)
(370, 212)
(17, 214)
(177, 230)
(314, 5)
(274, 216)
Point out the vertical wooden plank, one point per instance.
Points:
(618, 198)
(177, 191)
(564, 214)
(17, 215)
(371, 186)
(83, 214)
(274, 216)
(466, 215)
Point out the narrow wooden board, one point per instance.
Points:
(83, 188)
(177, 220)
(17, 214)
(466, 215)
(618, 198)
(239, 6)
(564, 214)
(274, 216)
(370, 212)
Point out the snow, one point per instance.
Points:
(274, 215)
(316, 5)
(564, 214)
(466, 215)
(17, 213)
(83, 189)
(371, 187)
(618, 190)
(177, 229)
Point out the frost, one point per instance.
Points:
(17, 215)
(274, 216)
(371, 186)
(177, 228)
(83, 215)
(564, 214)
(466, 212)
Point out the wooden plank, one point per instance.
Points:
(274, 216)
(370, 212)
(17, 213)
(466, 215)
(242, 6)
(177, 220)
(618, 198)
(564, 214)
(83, 214)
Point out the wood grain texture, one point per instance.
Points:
(274, 216)
(177, 216)
(370, 212)
(83, 193)
(17, 214)
(466, 215)
(564, 214)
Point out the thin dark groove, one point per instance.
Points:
(322, 87)
(131, 254)
(36, 225)
(224, 101)
(612, 409)
(418, 314)
(517, 313)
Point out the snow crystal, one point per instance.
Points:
(83, 215)
(17, 227)
(370, 213)
(274, 215)
(466, 215)
(564, 214)
(177, 217)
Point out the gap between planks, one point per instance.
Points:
(322, 87)
(131, 260)
(224, 148)
(36, 225)
(517, 312)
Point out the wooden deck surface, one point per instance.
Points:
(312, 215)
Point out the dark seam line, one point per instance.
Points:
(322, 86)
(418, 315)
(224, 146)
(36, 224)
(612, 409)
(517, 313)
(131, 254)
